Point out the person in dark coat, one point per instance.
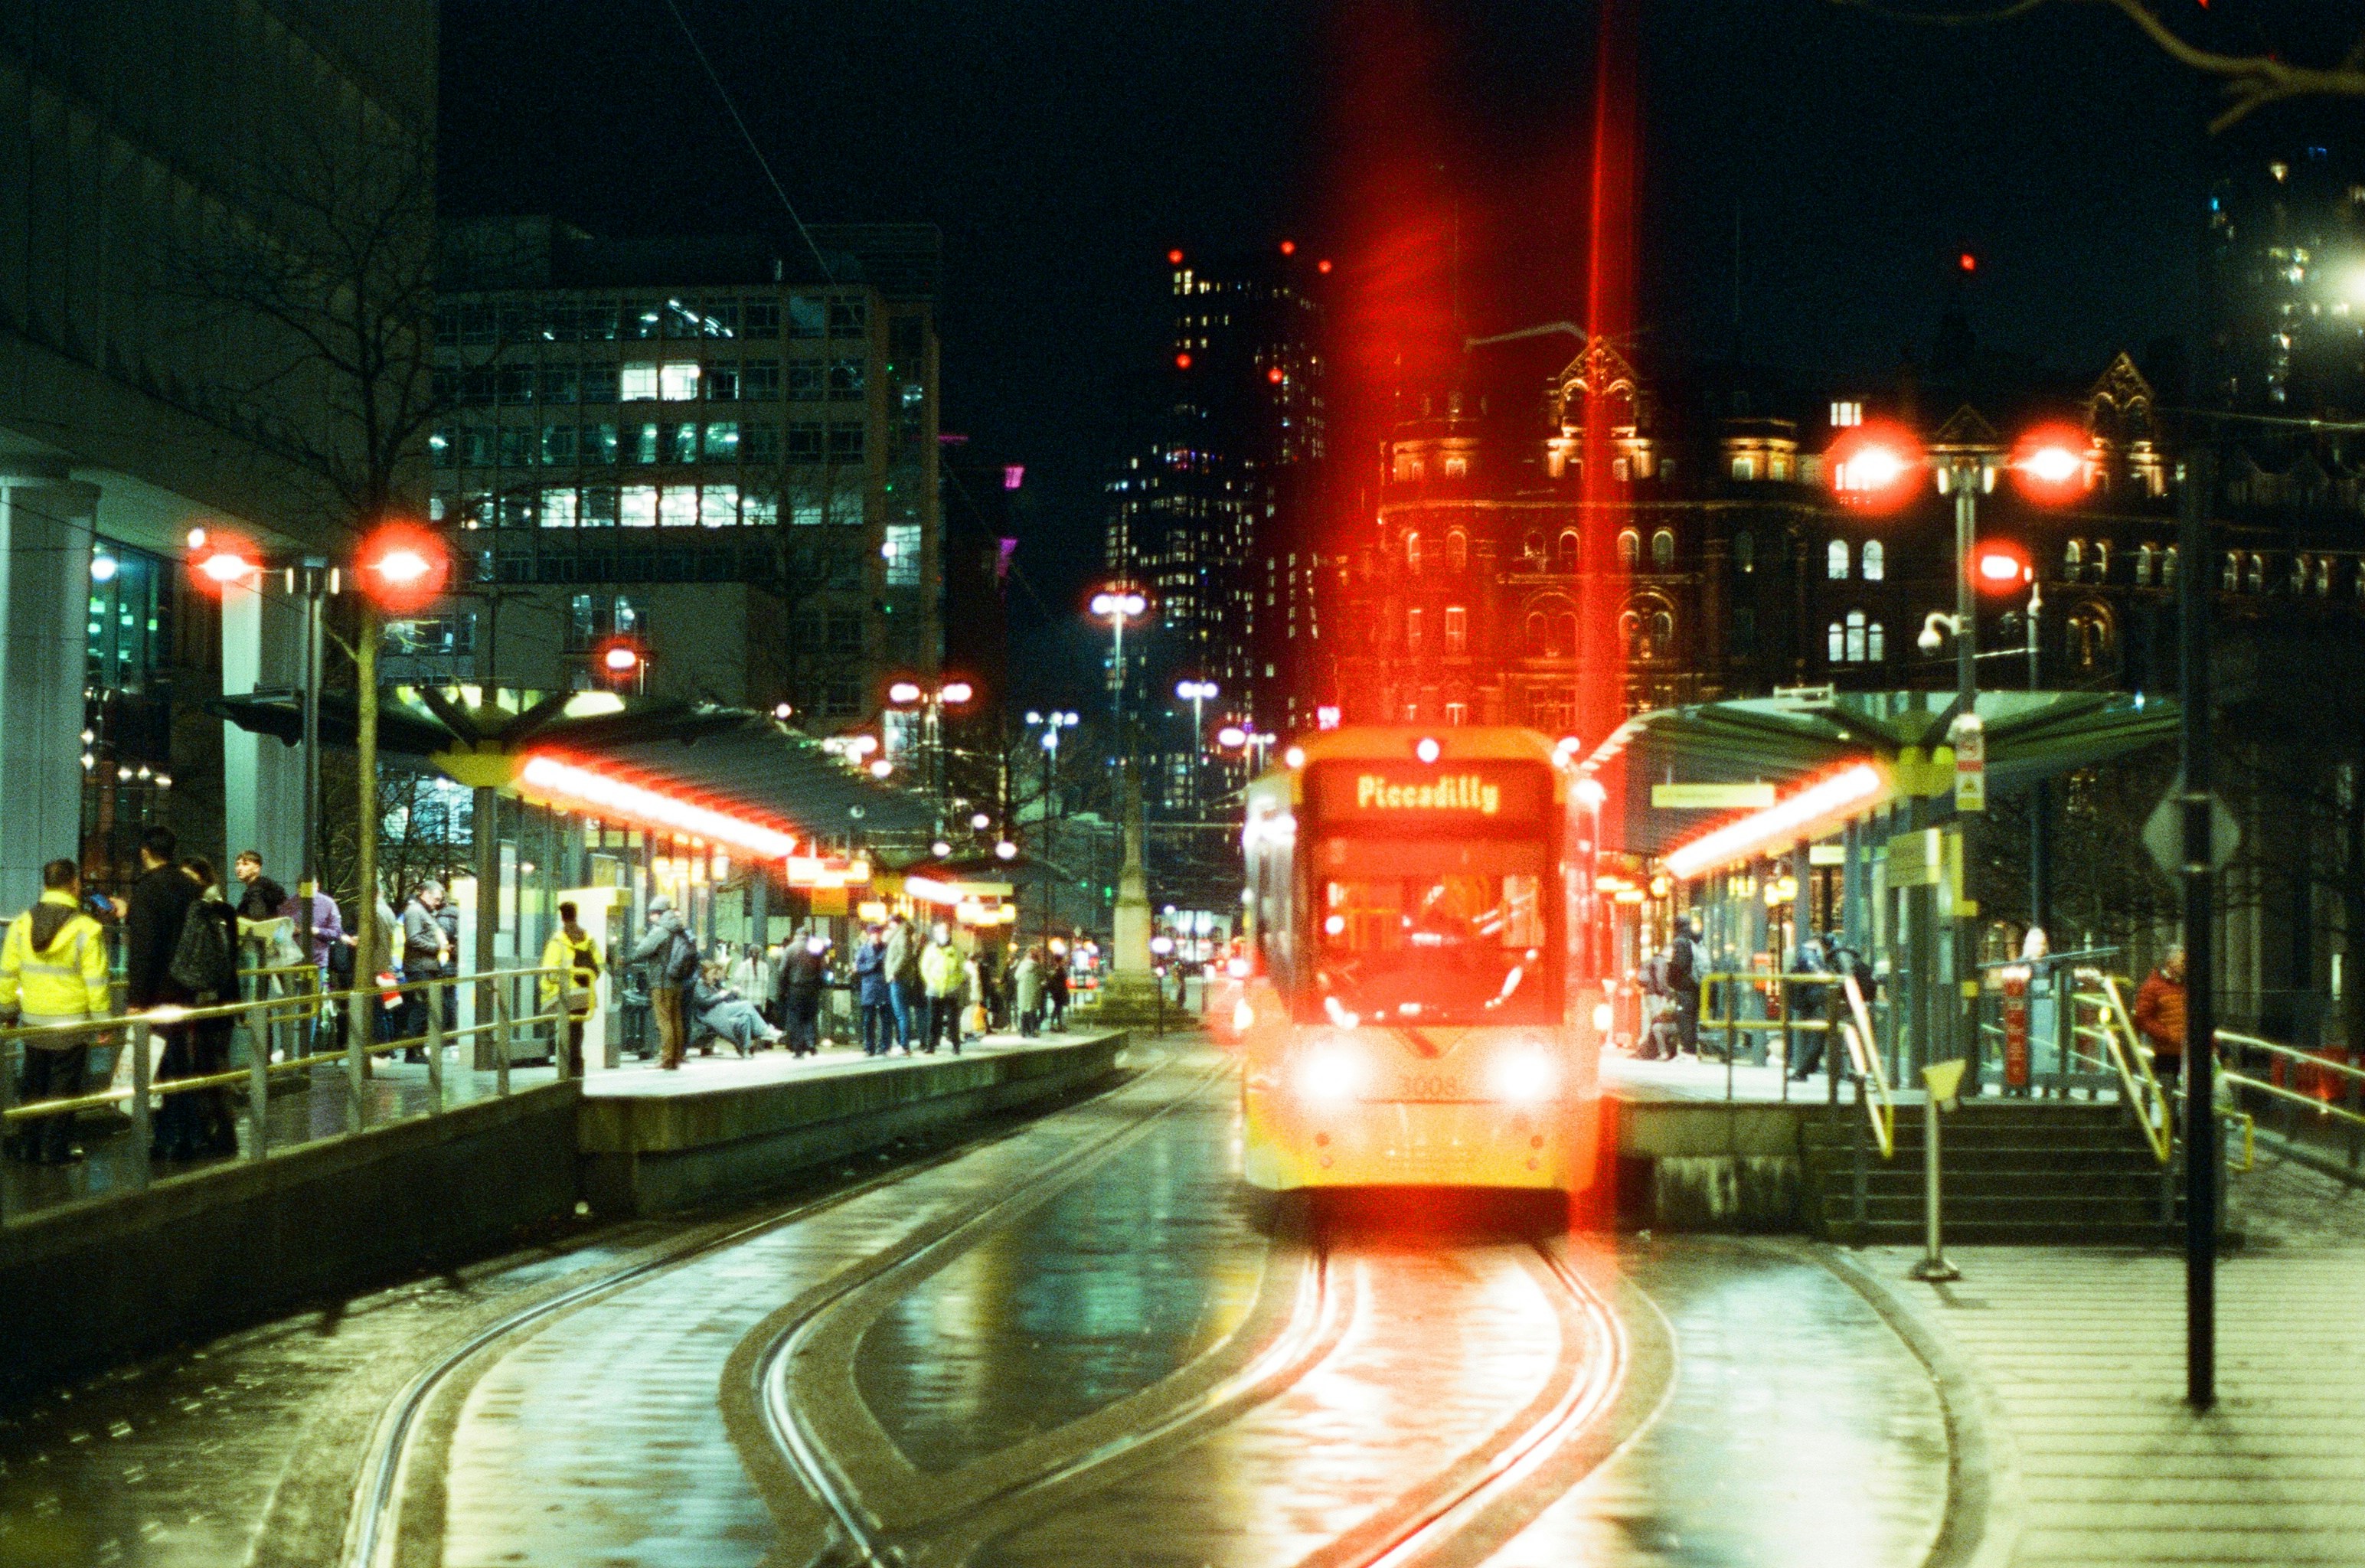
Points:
(214, 1124)
(804, 969)
(875, 993)
(152, 919)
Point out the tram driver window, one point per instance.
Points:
(1455, 945)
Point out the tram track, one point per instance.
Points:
(372, 1537)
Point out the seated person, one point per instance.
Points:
(719, 1010)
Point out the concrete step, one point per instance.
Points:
(2067, 1212)
(2009, 1184)
(2117, 1157)
(2012, 1234)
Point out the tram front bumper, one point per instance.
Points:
(1396, 1143)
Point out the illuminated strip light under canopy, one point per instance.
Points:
(548, 778)
(1850, 790)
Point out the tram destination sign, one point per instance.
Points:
(1467, 794)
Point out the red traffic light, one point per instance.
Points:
(402, 566)
(620, 660)
(1998, 566)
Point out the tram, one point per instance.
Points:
(1422, 1005)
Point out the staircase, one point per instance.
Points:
(2047, 1172)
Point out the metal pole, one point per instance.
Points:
(2201, 1147)
(307, 872)
(435, 1049)
(135, 1040)
(257, 1079)
(1934, 1266)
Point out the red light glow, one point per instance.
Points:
(218, 560)
(620, 659)
(1175, 257)
(1289, 247)
(1323, 266)
(402, 566)
(1998, 567)
(1876, 467)
(1967, 262)
(1181, 362)
(548, 780)
(1273, 375)
(2048, 464)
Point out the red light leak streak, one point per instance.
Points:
(1609, 317)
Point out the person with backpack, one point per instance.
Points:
(1808, 1001)
(1683, 982)
(152, 918)
(53, 970)
(669, 958)
(572, 950)
(205, 961)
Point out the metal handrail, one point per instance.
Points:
(1879, 1106)
(2308, 1058)
(2142, 1099)
(1782, 982)
(93, 1032)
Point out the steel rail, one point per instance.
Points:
(369, 1545)
(865, 1535)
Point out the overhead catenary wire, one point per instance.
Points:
(732, 108)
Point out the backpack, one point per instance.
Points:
(202, 963)
(680, 961)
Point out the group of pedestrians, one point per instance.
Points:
(1670, 981)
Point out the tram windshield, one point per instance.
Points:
(1467, 943)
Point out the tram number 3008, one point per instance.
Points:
(1430, 1086)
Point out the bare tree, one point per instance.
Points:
(2248, 82)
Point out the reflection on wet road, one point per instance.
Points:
(1080, 1341)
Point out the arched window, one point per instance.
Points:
(1412, 630)
(1835, 644)
(2168, 567)
(1836, 560)
(1630, 548)
(2258, 572)
(2073, 558)
(1876, 642)
(1568, 550)
(1564, 634)
(2300, 564)
(1663, 636)
(2102, 560)
(1744, 551)
(1629, 635)
(1875, 560)
(1537, 632)
(1533, 549)
(2144, 554)
(1457, 552)
(1856, 636)
(2233, 571)
(1412, 552)
(2090, 637)
(2323, 576)
(1663, 550)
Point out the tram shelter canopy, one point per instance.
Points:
(1787, 741)
(730, 761)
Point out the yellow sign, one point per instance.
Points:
(1945, 1080)
(1712, 797)
(1460, 792)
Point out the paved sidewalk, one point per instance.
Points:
(2078, 1357)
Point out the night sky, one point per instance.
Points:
(1063, 147)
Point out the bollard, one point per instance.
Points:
(135, 1040)
(434, 1055)
(1943, 1080)
(258, 1080)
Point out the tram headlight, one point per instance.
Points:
(1331, 1073)
(1524, 1076)
(1243, 1016)
(1602, 1018)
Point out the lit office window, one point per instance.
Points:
(902, 551)
(638, 507)
(677, 381)
(1875, 560)
(558, 508)
(718, 505)
(638, 383)
(678, 506)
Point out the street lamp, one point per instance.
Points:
(1196, 693)
(932, 704)
(1118, 605)
(1052, 725)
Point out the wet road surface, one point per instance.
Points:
(1075, 1340)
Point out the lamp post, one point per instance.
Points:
(1875, 469)
(932, 703)
(1197, 693)
(1052, 725)
(1118, 605)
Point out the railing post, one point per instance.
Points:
(357, 1044)
(501, 1037)
(7, 1098)
(135, 1040)
(1731, 1029)
(1862, 1176)
(259, 1025)
(434, 1054)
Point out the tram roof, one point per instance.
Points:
(2031, 736)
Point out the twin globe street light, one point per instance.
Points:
(1118, 605)
(1197, 693)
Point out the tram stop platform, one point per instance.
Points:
(651, 1142)
(1701, 1147)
